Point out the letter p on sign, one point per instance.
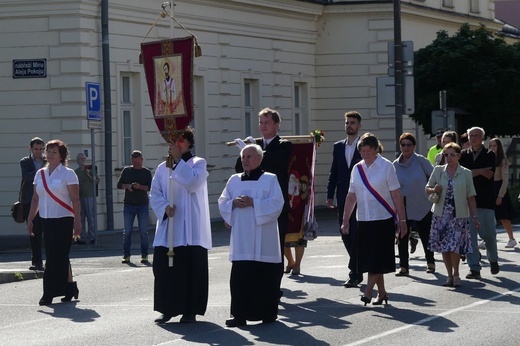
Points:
(93, 101)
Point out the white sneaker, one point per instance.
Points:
(511, 243)
(482, 245)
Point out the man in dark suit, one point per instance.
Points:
(30, 165)
(277, 153)
(345, 156)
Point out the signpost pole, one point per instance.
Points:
(94, 174)
(94, 118)
(399, 80)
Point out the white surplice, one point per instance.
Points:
(254, 230)
(191, 222)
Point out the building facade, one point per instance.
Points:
(311, 60)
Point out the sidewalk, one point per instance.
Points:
(16, 248)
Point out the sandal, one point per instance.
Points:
(456, 281)
(288, 269)
(449, 282)
(402, 272)
(295, 271)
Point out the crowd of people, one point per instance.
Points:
(447, 199)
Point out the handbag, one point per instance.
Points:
(17, 208)
(433, 197)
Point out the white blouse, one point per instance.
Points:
(57, 183)
(382, 177)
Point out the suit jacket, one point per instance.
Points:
(28, 173)
(276, 160)
(339, 176)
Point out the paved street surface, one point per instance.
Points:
(115, 305)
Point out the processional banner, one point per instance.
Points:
(301, 179)
(168, 67)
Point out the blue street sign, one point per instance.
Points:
(93, 101)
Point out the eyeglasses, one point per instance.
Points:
(450, 154)
(407, 145)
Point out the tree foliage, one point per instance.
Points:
(480, 73)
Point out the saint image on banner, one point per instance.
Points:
(168, 81)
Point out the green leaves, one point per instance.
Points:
(481, 74)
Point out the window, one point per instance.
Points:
(199, 121)
(297, 109)
(474, 6)
(127, 110)
(250, 106)
(447, 3)
(300, 108)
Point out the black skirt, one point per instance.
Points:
(505, 211)
(374, 249)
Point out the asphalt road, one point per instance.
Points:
(115, 305)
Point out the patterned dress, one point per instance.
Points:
(449, 233)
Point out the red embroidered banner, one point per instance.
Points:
(300, 180)
(168, 67)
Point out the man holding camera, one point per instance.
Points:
(87, 177)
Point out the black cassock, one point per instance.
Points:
(183, 288)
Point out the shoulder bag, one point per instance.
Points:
(17, 208)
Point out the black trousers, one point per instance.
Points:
(36, 241)
(423, 228)
(349, 241)
(58, 241)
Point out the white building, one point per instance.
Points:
(311, 60)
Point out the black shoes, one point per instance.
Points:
(45, 301)
(236, 322)
(352, 283)
(380, 301)
(366, 300)
(473, 274)
(163, 319)
(269, 320)
(188, 318)
(495, 268)
(36, 267)
(413, 245)
(72, 291)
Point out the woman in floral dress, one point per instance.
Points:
(449, 233)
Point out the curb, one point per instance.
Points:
(13, 275)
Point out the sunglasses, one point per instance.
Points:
(450, 154)
(407, 145)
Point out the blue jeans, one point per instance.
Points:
(87, 217)
(488, 233)
(129, 213)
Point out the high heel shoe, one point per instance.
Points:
(72, 291)
(288, 269)
(380, 301)
(45, 300)
(366, 300)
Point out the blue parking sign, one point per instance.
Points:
(93, 101)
